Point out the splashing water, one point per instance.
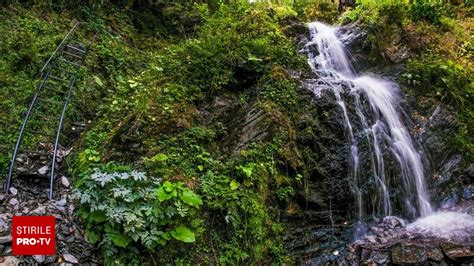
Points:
(376, 104)
(453, 226)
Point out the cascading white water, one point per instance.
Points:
(376, 104)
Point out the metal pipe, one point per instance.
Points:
(44, 77)
(58, 134)
(60, 45)
(23, 126)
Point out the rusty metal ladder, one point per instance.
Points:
(50, 101)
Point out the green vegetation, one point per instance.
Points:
(191, 112)
(124, 207)
(438, 52)
(26, 40)
(222, 201)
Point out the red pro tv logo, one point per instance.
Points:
(33, 235)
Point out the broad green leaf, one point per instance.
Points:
(92, 236)
(98, 81)
(191, 198)
(168, 186)
(97, 217)
(121, 240)
(201, 168)
(247, 169)
(162, 195)
(234, 185)
(184, 234)
(160, 157)
(132, 83)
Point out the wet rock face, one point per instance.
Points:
(449, 174)
(325, 154)
(317, 230)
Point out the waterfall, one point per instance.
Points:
(377, 110)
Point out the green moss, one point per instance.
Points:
(156, 100)
(168, 91)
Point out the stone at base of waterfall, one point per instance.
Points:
(408, 253)
(43, 170)
(447, 225)
(457, 252)
(435, 254)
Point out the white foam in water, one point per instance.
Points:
(447, 225)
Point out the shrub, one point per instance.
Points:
(321, 11)
(445, 79)
(237, 44)
(424, 10)
(128, 212)
(380, 22)
(452, 83)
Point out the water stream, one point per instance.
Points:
(377, 120)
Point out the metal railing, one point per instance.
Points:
(74, 58)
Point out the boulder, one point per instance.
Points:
(457, 252)
(380, 257)
(435, 254)
(468, 193)
(394, 222)
(408, 253)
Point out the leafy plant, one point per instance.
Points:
(121, 208)
(426, 10)
(449, 81)
(321, 11)
(88, 158)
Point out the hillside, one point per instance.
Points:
(196, 135)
